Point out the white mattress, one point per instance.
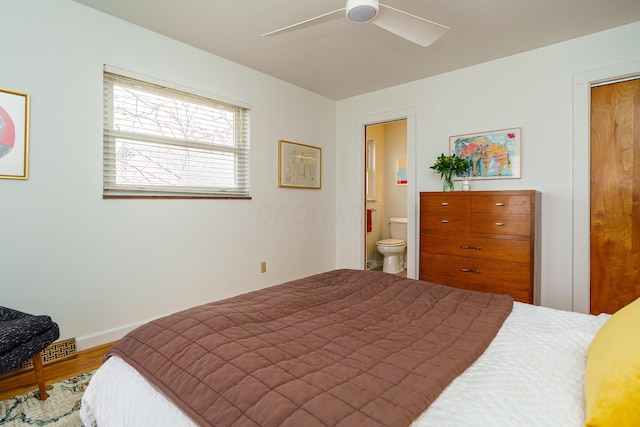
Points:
(532, 374)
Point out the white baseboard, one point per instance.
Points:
(104, 337)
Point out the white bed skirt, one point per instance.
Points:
(532, 374)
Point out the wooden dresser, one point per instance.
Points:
(482, 240)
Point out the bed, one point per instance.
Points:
(392, 351)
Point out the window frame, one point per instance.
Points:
(240, 149)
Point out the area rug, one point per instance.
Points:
(61, 409)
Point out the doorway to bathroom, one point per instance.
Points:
(385, 190)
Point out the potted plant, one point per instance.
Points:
(448, 166)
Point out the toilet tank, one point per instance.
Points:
(398, 228)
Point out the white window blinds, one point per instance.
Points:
(165, 142)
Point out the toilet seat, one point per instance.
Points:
(390, 242)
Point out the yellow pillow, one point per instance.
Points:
(612, 378)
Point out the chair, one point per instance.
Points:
(24, 336)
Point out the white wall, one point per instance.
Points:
(534, 91)
(98, 266)
(101, 266)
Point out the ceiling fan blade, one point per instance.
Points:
(309, 22)
(408, 26)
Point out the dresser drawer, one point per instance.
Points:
(517, 295)
(501, 204)
(445, 202)
(477, 247)
(479, 274)
(446, 221)
(507, 224)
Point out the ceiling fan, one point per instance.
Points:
(411, 27)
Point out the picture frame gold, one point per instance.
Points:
(14, 134)
(299, 165)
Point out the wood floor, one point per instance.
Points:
(84, 361)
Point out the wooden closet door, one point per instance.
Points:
(615, 196)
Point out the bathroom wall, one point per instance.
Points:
(374, 259)
(395, 149)
(391, 199)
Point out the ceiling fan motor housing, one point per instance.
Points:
(362, 10)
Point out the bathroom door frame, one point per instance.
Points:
(408, 114)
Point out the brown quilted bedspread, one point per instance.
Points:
(342, 348)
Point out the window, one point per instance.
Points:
(163, 142)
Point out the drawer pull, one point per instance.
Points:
(499, 224)
(499, 204)
(445, 221)
(445, 204)
(469, 270)
(477, 248)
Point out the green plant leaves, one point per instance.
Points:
(450, 165)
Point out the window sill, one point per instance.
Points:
(190, 197)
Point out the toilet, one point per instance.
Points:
(393, 249)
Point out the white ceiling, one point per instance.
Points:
(339, 59)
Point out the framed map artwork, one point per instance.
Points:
(493, 154)
(299, 165)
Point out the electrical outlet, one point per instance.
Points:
(263, 267)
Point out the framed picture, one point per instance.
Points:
(401, 172)
(299, 165)
(493, 155)
(14, 134)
